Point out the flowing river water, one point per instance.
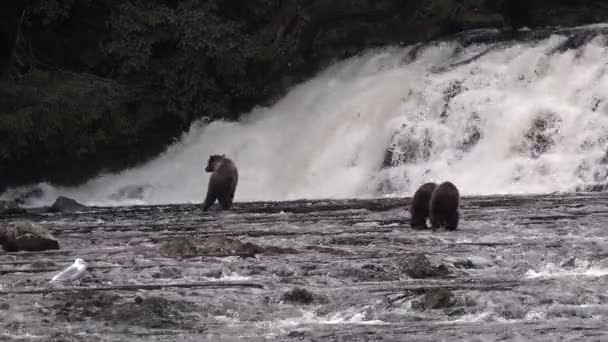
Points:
(519, 268)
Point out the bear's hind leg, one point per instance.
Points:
(225, 202)
(209, 200)
(452, 221)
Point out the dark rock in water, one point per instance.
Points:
(419, 267)
(467, 264)
(179, 248)
(26, 236)
(151, 312)
(217, 246)
(592, 188)
(542, 134)
(10, 207)
(408, 146)
(220, 245)
(570, 262)
(299, 296)
(472, 262)
(438, 298)
(297, 334)
(168, 273)
(66, 205)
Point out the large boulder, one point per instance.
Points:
(26, 236)
(66, 205)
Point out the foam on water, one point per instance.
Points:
(359, 316)
(552, 270)
(519, 118)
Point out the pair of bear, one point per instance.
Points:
(439, 203)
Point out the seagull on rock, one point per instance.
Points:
(73, 272)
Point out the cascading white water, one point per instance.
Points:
(515, 119)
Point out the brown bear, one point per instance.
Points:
(443, 208)
(419, 209)
(222, 183)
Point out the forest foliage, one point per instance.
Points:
(92, 85)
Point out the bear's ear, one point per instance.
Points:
(223, 155)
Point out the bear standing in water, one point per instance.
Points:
(222, 183)
(419, 209)
(444, 206)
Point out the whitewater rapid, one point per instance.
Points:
(495, 118)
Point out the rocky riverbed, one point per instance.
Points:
(519, 268)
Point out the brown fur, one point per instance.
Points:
(444, 206)
(222, 183)
(419, 209)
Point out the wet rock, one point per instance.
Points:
(297, 334)
(542, 134)
(570, 262)
(168, 273)
(213, 274)
(298, 296)
(151, 312)
(408, 145)
(599, 187)
(218, 246)
(80, 306)
(66, 205)
(466, 264)
(221, 245)
(472, 262)
(438, 298)
(512, 311)
(26, 236)
(10, 207)
(419, 267)
(178, 248)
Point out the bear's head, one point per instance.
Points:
(213, 160)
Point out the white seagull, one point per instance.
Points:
(75, 271)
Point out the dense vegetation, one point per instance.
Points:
(91, 85)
